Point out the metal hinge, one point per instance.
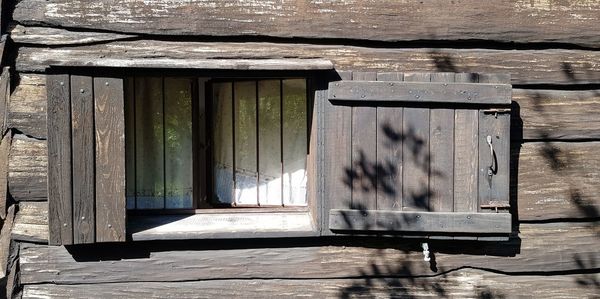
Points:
(496, 205)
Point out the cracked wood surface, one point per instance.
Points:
(507, 20)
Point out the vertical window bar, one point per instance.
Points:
(281, 137)
(135, 191)
(257, 144)
(233, 124)
(164, 137)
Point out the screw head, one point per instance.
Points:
(62, 83)
(82, 90)
(83, 218)
(106, 83)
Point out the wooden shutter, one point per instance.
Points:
(86, 159)
(408, 154)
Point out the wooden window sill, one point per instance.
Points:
(221, 226)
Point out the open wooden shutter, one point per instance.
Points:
(86, 159)
(417, 154)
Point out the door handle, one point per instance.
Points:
(493, 163)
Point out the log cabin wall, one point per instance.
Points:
(550, 48)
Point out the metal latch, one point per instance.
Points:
(496, 205)
(495, 111)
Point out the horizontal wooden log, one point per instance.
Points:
(310, 258)
(31, 222)
(27, 108)
(555, 114)
(558, 180)
(538, 114)
(434, 222)
(57, 37)
(555, 179)
(510, 21)
(379, 91)
(461, 284)
(526, 67)
(27, 169)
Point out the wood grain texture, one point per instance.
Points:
(466, 148)
(31, 223)
(557, 180)
(4, 152)
(7, 226)
(28, 170)
(417, 92)
(556, 114)
(461, 284)
(441, 151)
(525, 66)
(337, 155)
(61, 37)
(27, 109)
(56, 155)
(415, 153)
(389, 151)
(215, 260)
(507, 21)
(109, 124)
(364, 150)
(4, 93)
(427, 222)
(82, 132)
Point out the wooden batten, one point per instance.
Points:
(415, 92)
(421, 222)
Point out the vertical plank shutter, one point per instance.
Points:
(86, 159)
(422, 154)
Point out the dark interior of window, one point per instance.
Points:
(207, 143)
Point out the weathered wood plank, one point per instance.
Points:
(558, 180)
(494, 186)
(52, 159)
(31, 222)
(308, 258)
(389, 151)
(364, 150)
(415, 92)
(7, 226)
(441, 151)
(27, 108)
(4, 152)
(556, 114)
(558, 67)
(466, 283)
(466, 147)
(537, 22)
(27, 170)
(337, 154)
(82, 134)
(434, 222)
(4, 92)
(109, 125)
(61, 37)
(415, 153)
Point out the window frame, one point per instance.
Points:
(145, 224)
